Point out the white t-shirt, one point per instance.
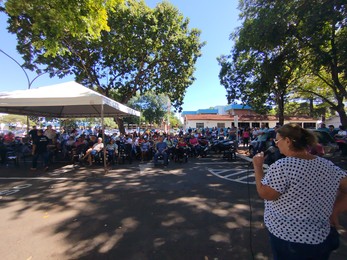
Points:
(342, 133)
(308, 189)
(98, 146)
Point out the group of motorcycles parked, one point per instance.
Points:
(226, 147)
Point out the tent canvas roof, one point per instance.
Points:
(63, 100)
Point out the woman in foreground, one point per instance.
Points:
(304, 194)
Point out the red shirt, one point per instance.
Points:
(9, 137)
(194, 141)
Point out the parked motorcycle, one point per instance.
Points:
(220, 146)
(204, 147)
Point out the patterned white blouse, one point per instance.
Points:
(308, 190)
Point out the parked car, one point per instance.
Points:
(329, 144)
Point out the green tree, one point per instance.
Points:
(264, 61)
(282, 45)
(153, 107)
(8, 119)
(145, 49)
(175, 122)
(52, 20)
(321, 30)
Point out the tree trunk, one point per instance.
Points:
(343, 117)
(281, 111)
(120, 124)
(323, 115)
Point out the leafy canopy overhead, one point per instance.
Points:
(52, 20)
(286, 47)
(145, 49)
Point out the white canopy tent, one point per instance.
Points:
(65, 100)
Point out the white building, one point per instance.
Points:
(239, 116)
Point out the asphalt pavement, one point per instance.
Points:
(205, 209)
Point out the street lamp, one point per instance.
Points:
(30, 82)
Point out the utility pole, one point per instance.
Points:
(168, 116)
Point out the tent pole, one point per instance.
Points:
(103, 137)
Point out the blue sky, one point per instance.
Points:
(216, 20)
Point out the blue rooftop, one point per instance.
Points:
(188, 113)
(207, 111)
(236, 106)
(214, 111)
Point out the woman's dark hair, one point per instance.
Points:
(300, 137)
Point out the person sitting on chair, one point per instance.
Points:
(97, 147)
(161, 148)
(144, 147)
(112, 150)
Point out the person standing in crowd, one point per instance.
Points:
(51, 134)
(263, 137)
(323, 128)
(39, 149)
(304, 194)
(246, 134)
(232, 134)
(33, 133)
(342, 133)
(128, 146)
(255, 132)
(332, 131)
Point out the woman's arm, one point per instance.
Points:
(340, 204)
(264, 191)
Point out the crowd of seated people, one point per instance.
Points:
(13, 148)
(182, 145)
(148, 146)
(76, 145)
(82, 145)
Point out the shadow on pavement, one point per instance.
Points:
(137, 212)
